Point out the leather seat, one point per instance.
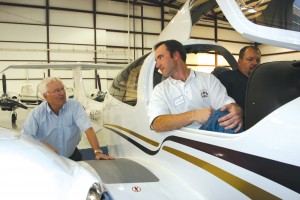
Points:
(270, 86)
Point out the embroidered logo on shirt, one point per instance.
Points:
(178, 100)
(204, 93)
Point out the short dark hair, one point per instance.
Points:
(242, 51)
(172, 46)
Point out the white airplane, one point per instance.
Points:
(260, 163)
(29, 94)
(10, 101)
(92, 106)
(44, 174)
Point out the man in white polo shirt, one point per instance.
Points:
(188, 98)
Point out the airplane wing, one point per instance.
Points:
(92, 108)
(63, 66)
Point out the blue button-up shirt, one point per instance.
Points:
(62, 131)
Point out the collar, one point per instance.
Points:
(49, 110)
(242, 73)
(175, 81)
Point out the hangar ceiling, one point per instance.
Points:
(246, 5)
(275, 13)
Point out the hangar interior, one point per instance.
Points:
(112, 32)
(99, 31)
(149, 164)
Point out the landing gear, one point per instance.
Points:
(13, 117)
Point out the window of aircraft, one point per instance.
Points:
(206, 62)
(124, 86)
(273, 13)
(206, 57)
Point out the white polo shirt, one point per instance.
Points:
(200, 90)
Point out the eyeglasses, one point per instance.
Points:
(57, 91)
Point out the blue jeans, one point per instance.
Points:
(212, 123)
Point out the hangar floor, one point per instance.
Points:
(5, 122)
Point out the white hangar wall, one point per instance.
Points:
(73, 37)
(65, 31)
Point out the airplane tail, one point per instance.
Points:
(92, 108)
(79, 93)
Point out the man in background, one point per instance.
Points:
(58, 122)
(235, 81)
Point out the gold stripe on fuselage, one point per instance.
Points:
(250, 190)
(149, 141)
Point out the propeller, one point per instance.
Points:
(98, 82)
(4, 84)
(6, 103)
(100, 95)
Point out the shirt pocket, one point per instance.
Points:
(67, 122)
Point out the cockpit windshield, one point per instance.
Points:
(273, 13)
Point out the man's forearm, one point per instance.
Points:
(91, 135)
(164, 123)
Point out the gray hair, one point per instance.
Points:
(43, 86)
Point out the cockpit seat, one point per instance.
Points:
(219, 70)
(270, 86)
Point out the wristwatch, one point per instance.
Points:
(98, 151)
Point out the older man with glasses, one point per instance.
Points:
(58, 122)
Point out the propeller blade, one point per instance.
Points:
(4, 84)
(98, 82)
